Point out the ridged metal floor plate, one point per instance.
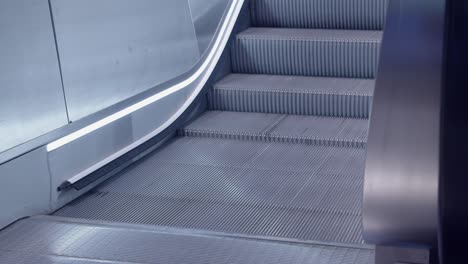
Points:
(295, 191)
(295, 95)
(280, 128)
(48, 240)
(307, 52)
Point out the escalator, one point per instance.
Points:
(272, 172)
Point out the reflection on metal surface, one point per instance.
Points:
(31, 103)
(207, 8)
(206, 15)
(109, 119)
(401, 182)
(191, 86)
(111, 50)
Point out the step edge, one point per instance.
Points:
(324, 92)
(197, 232)
(264, 137)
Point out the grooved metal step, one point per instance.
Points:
(307, 52)
(312, 130)
(294, 95)
(325, 14)
(295, 191)
(274, 174)
(64, 241)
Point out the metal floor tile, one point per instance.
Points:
(64, 241)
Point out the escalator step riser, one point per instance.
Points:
(326, 14)
(327, 58)
(290, 102)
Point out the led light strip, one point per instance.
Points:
(207, 67)
(215, 52)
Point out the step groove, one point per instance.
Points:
(321, 131)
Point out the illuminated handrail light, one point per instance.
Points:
(215, 51)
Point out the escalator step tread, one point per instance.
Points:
(307, 52)
(312, 35)
(280, 128)
(298, 84)
(258, 188)
(64, 241)
(331, 14)
(295, 95)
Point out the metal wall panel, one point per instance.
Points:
(85, 152)
(24, 187)
(89, 152)
(402, 170)
(206, 15)
(31, 99)
(111, 50)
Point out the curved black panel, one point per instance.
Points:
(402, 171)
(454, 181)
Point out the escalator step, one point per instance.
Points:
(325, 14)
(44, 240)
(294, 95)
(307, 52)
(271, 189)
(280, 128)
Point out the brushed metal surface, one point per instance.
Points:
(206, 16)
(401, 182)
(93, 150)
(24, 187)
(82, 154)
(87, 153)
(111, 50)
(31, 99)
(46, 138)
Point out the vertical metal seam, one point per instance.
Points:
(58, 60)
(194, 30)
